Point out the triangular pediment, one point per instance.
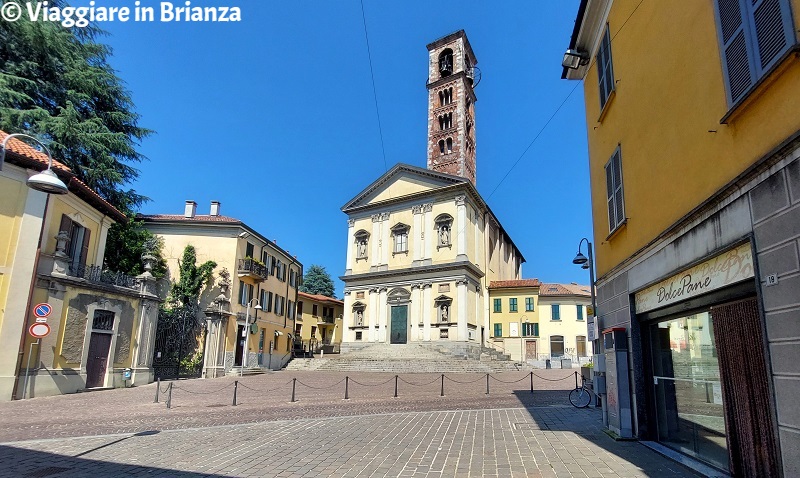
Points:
(401, 181)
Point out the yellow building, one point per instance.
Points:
(52, 248)
(534, 322)
(319, 323)
(256, 271)
(693, 115)
(422, 245)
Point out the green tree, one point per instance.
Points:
(56, 84)
(132, 241)
(317, 281)
(191, 280)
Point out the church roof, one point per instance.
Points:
(447, 181)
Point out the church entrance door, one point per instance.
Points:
(399, 330)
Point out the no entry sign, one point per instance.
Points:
(39, 330)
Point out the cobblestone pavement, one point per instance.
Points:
(507, 433)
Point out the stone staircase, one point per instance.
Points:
(447, 357)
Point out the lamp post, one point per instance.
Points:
(245, 353)
(46, 182)
(585, 263)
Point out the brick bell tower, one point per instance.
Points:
(452, 77)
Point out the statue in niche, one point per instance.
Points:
(362, 248)
(444, 310)
(444, 235)
(359, 317)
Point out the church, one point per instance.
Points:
(422, 244)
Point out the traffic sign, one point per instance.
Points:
(42, 310)
(39, 330)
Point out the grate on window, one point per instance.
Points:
(103, 320)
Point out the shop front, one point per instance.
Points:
(705, 366)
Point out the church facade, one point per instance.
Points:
(422, 245)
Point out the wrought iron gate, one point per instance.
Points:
(179, 344)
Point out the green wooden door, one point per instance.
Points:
(399, 331)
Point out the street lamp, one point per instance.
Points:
(585, 263)
(46, 181)
(247, 333)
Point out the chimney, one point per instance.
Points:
(215, 208)
(191, 208)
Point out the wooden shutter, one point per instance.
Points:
(85, 246)
(739, 71)
(66, 226)
(773, 34)
(616, 203)
(269, 302)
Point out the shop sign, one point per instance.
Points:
(721, 271)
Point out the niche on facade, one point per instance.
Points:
(444, 228)
(398, 296)
(444, 306)
(358, 314)
(362, 241)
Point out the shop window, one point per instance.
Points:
(580, 344)
(556, 345)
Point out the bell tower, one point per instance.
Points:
(452, 77)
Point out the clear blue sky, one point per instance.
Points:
(275, 117)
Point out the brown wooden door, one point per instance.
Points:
(97, 361)
(530, 350)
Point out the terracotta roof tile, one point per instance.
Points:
(22, 148)
(181, 217)
(500, 284)
(321, 298)
(564, 289)
(29, 157)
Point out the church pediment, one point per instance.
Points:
(400, 181)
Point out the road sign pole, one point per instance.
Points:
(28, 368)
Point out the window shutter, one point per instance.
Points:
(85, 246)
(739, 72)
(66, 226)
(612, 217)
(773, 30)
(619, 204)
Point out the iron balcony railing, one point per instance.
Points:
(96, 274)
(250, 266)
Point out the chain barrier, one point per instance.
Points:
(320, 388)
(419, 384)
(551, 380)
(396, 378)
(512, 381)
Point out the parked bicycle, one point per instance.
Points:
(581, 397)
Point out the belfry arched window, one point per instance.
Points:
(446, 62)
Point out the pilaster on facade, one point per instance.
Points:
(418, 232)
(375, 256)
(348, 321)
(351, 245)
(385, 240)
(383, 313)
(372, 318)
(430, 232)
(461, 293)
(414, 312)
(427, 300)
(461, 227)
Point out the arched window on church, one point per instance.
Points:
(449, 148)
(446, 62)
(441, 146)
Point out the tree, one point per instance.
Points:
(56, 84)
(126, 248)
(318, 281)
(186, 291)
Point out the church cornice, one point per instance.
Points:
(463, 266)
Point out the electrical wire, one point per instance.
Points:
(374, 90)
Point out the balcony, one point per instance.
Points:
(326, 320)
(253, 269)
(96, 275)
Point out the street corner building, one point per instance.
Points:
(422, 245)
(318, 326)
(539, 324)
(694, 139)
(97, 325)
(248, 310)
